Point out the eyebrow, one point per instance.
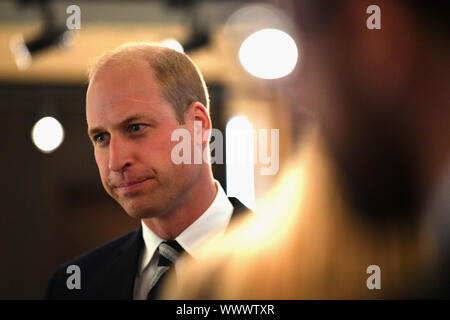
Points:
(96, 130)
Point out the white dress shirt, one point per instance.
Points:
(211, 223)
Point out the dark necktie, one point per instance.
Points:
(168, 253)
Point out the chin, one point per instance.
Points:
(141, 212)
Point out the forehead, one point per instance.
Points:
(119, 90)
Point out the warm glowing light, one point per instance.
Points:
(20, 52)
(172, 44)
(240, 160)
(47, 134)
(269, 54)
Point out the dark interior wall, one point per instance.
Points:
(53, 205)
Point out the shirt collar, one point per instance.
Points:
(211, 223)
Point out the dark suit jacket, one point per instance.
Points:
(108, 272)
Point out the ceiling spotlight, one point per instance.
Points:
(198, 39)
(23, 51)
(49, 36)
(269, 54)
(47, 134)
(199, 34)
(172, 44)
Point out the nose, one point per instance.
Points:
(119, 154)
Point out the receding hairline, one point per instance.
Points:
(179, 79)
(128, 53)
(136, 63)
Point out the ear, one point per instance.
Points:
(199, 116)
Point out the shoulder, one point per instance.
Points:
(106, 251)
(94, 263)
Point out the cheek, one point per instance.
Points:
(101, 165)
(160, 152)
(156, 154)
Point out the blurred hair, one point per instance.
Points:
(179, 79)
(309, 240)
(435, 12)
(316, 15)
(305, 243)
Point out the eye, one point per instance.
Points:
(100, 138)
(136, 127)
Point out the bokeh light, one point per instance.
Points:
(172, 44)
(47, 134)
(269, 54)
(240, 160)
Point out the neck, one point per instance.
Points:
(197, 199)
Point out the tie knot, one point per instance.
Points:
(169, 251)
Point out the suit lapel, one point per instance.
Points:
(239, 208)
(120, 275)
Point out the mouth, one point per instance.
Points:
(131, 186)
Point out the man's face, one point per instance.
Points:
(130, 125)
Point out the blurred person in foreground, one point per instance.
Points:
(139, 95)
(370, 183)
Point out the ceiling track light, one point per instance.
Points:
(50, 35)
(199, 35)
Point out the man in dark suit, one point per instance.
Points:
(141, 98)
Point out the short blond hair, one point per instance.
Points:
(179, 79)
